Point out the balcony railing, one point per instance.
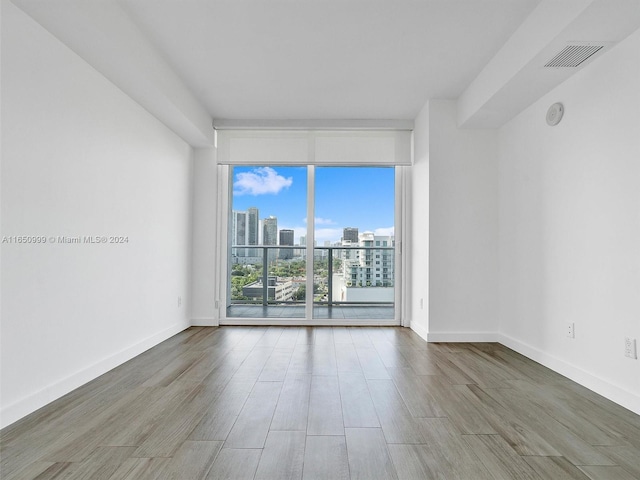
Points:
(260, 265)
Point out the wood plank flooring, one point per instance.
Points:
(324, 403)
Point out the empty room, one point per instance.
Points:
(320, 239)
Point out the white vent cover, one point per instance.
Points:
(573, 55)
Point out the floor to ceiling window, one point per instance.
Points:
(340, 267)
(354, 242)
(267, 251)
(311, 224)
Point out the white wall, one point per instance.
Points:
(205, 238)
(463, 228)
(80, 158)
(419, 269)
(570, 227)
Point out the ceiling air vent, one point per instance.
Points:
(573, 55)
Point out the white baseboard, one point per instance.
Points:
(204, 322)
(462, 337)
(420, 330)
(613, 392)
(15, 411)
(603, 387)
(452, 336)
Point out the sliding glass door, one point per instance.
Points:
(354, 242)
(267, 253)
(338, 268)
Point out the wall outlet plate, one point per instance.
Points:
(630, 349)
(571, 330)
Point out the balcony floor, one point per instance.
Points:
(342, 312)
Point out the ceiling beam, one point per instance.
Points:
(516, 77)
(104, 35)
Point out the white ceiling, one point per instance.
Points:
(326, 59)
(191, 61)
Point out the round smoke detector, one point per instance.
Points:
(554, 114)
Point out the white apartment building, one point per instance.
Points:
(367, 273)
(369, 267)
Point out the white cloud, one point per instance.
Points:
(323, 234)
(321, 221)
(260, 181)
(384, 231)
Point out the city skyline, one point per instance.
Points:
(269, 230)
(361, 197)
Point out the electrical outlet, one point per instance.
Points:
(630, 348)
(571, 330)
(421, 303)
(179, 301)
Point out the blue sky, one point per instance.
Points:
(360, 197)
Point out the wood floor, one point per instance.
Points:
(325, 403)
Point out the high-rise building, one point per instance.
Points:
(303, 243)
(350, 234)
(270, 231)
(239, 233)
(270, 234)
(370, 266)
(253, 230)
(286, 238)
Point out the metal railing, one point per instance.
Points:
(270, 255)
